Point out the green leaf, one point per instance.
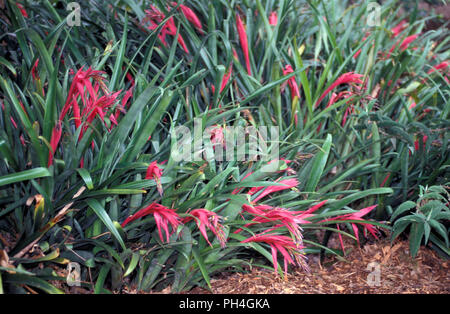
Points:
(133, 263)
(24, 176)
(31, 281)
(201, 266)
(403, 208)
(101, 213)
(319, 163)
(415, 237)
(98, 289)
(86, 177)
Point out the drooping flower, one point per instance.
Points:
(273, 18)
(226, 78)
(424, 141)
(287, 184)
(155, 17)
(208, 219)
(190, 16)
(155, 173)
(441, 67)
(244, 41)
(302, 215)
(404, 44)
(92, 104)
(400, 27)
(34, 73)
(356, 216)
(163, 217)
(295, 92)
(292, 253)
(280, 216)
(54, 140)
(22, 10)
(346, 78)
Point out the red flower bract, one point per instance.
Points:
(295, 92)
(244, 42)
(22, 10)
(273, 18)
(346, 78)
(155, 17)
(190, 16)
(357, 216)
(208, 219)
(163, 217)
(292, 253)
(155, 173)
(288, 184)
(399, 28)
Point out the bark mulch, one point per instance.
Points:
(398, 274)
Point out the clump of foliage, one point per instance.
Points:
(88, 172)
(427, 219)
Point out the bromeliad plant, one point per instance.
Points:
(88, 170)
(426, 218)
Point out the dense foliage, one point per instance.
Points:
(88, 172)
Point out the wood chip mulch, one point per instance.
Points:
(397, 272)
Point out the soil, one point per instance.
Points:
(397, 272)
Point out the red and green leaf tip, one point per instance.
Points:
(244, 42)
(293, 86)
(346, 78)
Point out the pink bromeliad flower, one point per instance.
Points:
(22, 10)
(226, 78)
(281, 217)
(163, 217)
(356, 216)
(34, 73)
(273, 18)
(416, 143)
(207, 219)
(404, 44)
(80, 82)
(155, 17)
(155, 173)
(244, 41)
(443, 68)
(400, 27)
(303, 215)
(91, 106)
(346, 78)
(295, 92)
(190, 16)
(288, 184)
(292, 252)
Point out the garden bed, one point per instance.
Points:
(428, 273)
